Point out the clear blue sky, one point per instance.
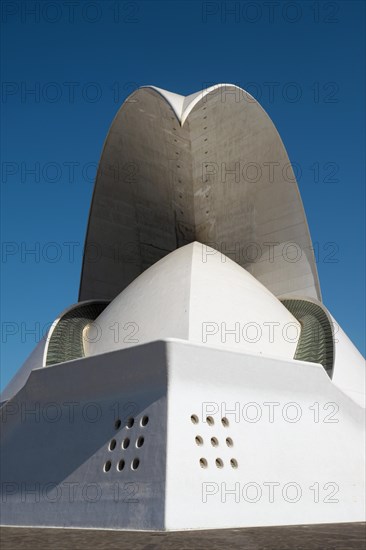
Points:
(304, 61)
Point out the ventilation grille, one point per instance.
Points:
(316, 339)
(212, 446)
(132, 441)
(66, 342)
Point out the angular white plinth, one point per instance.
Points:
(283, 444)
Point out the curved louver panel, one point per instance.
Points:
(316, 340)
(66, 341)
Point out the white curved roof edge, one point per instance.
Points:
(183, 105)
(176, 101)
(194, 302)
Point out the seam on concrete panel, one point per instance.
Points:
(168, 355)
(190, 310)
(176, 103)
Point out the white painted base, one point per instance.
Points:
(289, 452)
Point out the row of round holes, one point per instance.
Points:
(130, 422)
(176, 141)
(121, 464)
(210, 421)
(204, 118)
(214, 441)
(205, 128)
(219, 463)
(204, 108)
(126, 443)
(178, 166)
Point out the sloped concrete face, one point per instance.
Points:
(34, 361)
(209, 168)
(172, 435)
(83, 444)
(256, 441)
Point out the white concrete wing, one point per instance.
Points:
(210, 168)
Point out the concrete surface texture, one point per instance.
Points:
(174, 435)
(188, 389)
(209, 168)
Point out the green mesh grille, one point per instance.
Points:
(316, 339)
(66, 342)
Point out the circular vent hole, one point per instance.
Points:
(194, 419)
(107, 466)
(214, 442)
(120, 465)
(234, 463)
(198, 439)
(225, 422)
(210, 421)
(219, 463)
(112, 445)
(140, 441)
(117, 424)
(203, 463)
(130, 422)
(125, 443)
(229, 442)
(135, 464)
(144, 421)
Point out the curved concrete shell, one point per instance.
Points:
(202, 308)
(210, 167)
(203, 374)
